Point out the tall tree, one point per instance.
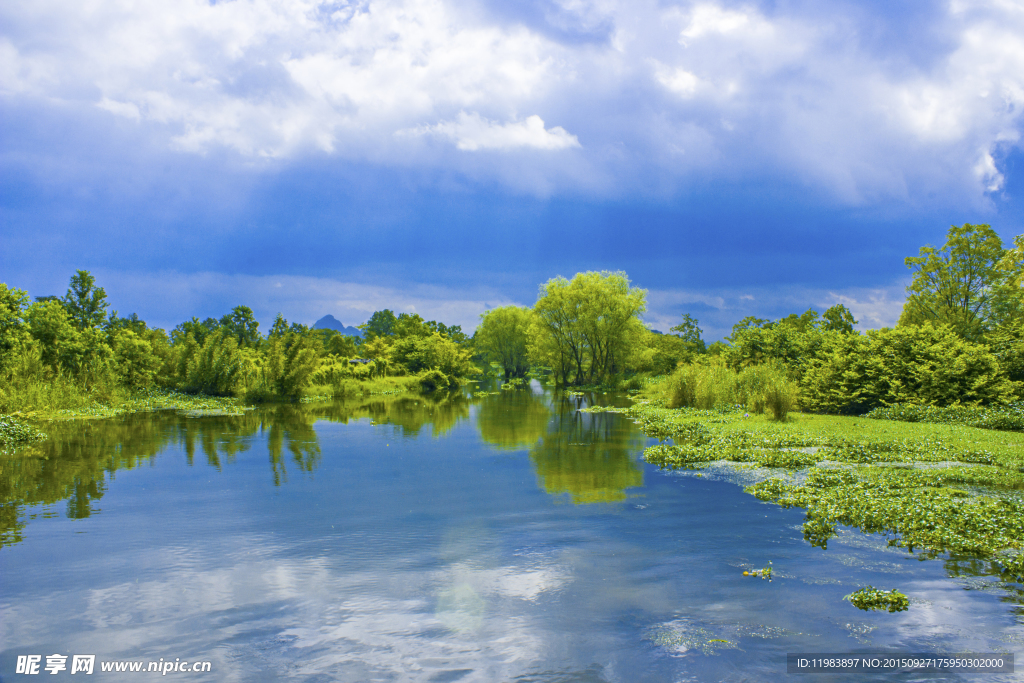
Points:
(838, 318)
(85, 302)
(503, 336)
(380, 324)
(13, 331)
(586, 329)
(689, 331)
(243, 326)
(954, 284)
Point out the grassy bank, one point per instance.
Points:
(89, 405)
(929, 487)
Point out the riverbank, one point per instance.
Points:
(44, 407)
(932, 488)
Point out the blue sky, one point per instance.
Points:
(447, 156)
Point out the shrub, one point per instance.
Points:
(1009, 417)
(766, 389)
(432, 380)
(920, 364)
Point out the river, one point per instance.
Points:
(501, 536)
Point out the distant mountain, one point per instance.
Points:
(329, 322)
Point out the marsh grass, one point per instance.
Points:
(353, 388)
(1009, 417)
(61, 392)
(762, 389)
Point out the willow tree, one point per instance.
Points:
(587, 329)
(503, 336)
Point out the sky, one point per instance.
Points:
(444, 157)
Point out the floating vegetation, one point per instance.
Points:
(148, 400)
(908, 507)
(935, 488)
(1009, 417)
(14, 433)
(513, 383)
(765, 573)
(604, 409)
(871, 598)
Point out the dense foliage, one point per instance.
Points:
(959, 342)
(72, 353)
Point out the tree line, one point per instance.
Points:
(959, 339)
(53, 350)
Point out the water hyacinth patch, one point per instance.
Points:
(871, 598)
(903, 507)
(13, 431)
(900, 479)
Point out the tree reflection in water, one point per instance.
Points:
(80, 457)
(513, 420)
(589, 456)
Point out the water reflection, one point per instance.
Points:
(592, 457)
(406, 414)
(513, 419)
(73, 465)
(79, 458)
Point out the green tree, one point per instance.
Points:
(1008, 292)
(923, 364)
(689, 331)
(85, 302)
(380, 324)
(503, 338)
(378, 349)
(199, 330)
(587, 329)
(243, 326)
(14, 335)
(134, 360)
(291, 359)
(338, 344)
(220, 365)
(838, 318)
(954, 285)
(280, 327)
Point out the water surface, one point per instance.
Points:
(497, 537)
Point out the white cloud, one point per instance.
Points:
(738, 88)
(471, 132)
(125, 109)
(708, 18)
(678, 80)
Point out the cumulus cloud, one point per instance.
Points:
(470, 132)
(673, 92)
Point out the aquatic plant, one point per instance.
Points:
(871, 598)
(14, 432)
(877, 478)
